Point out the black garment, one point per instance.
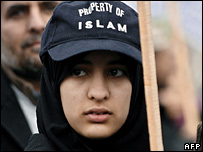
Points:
(133, 135)
(15, 131)
(39, 142)
(172, 140)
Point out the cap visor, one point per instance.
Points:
(66, 50)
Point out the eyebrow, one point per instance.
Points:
(49, 3)
(16, 7)
(26, 6)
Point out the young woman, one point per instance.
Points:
(92, 91)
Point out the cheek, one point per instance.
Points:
(123, 91)
(46, 17)
(67, 99)
(13, 34)
(71, 99)
(122, 98)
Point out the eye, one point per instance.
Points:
(116, 72)
(17, 11)
(79, 72)
(48, 6)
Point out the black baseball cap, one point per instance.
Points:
(81, 26)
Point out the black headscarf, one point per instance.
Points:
(52, 123)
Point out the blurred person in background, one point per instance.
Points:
(172, 118)
(22, 25)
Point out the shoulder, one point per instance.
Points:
(39, 142)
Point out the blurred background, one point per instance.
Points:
(177, 38)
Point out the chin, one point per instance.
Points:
(97, 136)
(97, 132)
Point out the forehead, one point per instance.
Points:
(10, 3)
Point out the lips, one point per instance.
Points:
(35, 44)
(32, 41)
(98, 115)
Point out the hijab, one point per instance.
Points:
(53, 125)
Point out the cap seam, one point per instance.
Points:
(92, 39)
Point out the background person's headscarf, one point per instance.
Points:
(52, 122)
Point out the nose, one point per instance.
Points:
(37, 22)
(98, 90)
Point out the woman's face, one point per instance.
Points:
(96, 96)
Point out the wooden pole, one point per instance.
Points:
(150, 80)
(184, 82)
